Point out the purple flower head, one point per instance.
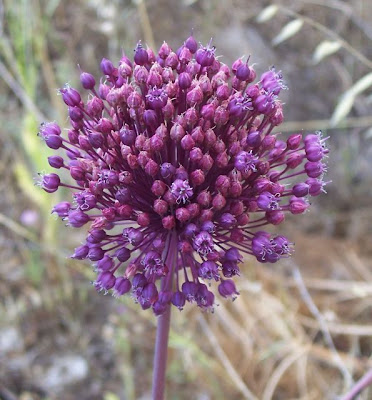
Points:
(272, 81)
(175, 162)
(87, 80)
(81, 252)
(208, 226)
(62, 209)
(203, 243)
(157, 98)
(122, 286)
(123, 254)
(191, 44)
(133, 236)
(233, 254)
(77, 218)
(181, 190)
(204, 298)
(240, 105)
(70, 96)
(246, 161)
(227, 289)
(178, 299)
(209, 270)
(205, 55)
(281, 245)
(105, 281)
(230, 268)
(268, 202)
(227, 220)
(105, 264)
(153, 263)
(316, 186)
(49, 182)
(85, 200)
(140, 54)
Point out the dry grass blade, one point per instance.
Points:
(340, 329)
(265, 345)
(347, 100)
(16, 228)
(357, 288)
(225, 361)
(328, 32)
(322, 324)
(325, 49)
(145, 23)
(313, 125)
(267, 13)
(362, 384)
(324, 355)
(20, 93)
(280, 370)
(288, 31)
(234, 328)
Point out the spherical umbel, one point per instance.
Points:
(176, 170)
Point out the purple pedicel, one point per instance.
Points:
(175, 166)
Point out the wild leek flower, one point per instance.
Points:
(177, 173)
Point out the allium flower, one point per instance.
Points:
(177, 171)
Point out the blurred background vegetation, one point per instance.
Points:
(299, 330)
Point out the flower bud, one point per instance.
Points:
(106, 66)
(314, 169)
(191, 44)
(205, 56)
(164, 50)
(187, 142)
(194, 96)
(178, 300)
(50, 182)
(140, 55)
(56, 161)
(171, 61)
(177, 132)
(158, 188)
(168, 222)
(81, 252)
(87, 80)
(184, 80)
(182, 214)
(123, 254)
(62, 209)
(122, 286)
(300, 189)
(298, 205)
(227, 289)
(218, 201)
(53, 141)
(70, 96)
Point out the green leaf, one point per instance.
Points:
(110, 396)
(35, 268)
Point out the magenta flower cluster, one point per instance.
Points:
(175, 153)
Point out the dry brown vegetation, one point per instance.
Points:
(299, 330)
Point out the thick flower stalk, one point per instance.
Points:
(175, 154)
